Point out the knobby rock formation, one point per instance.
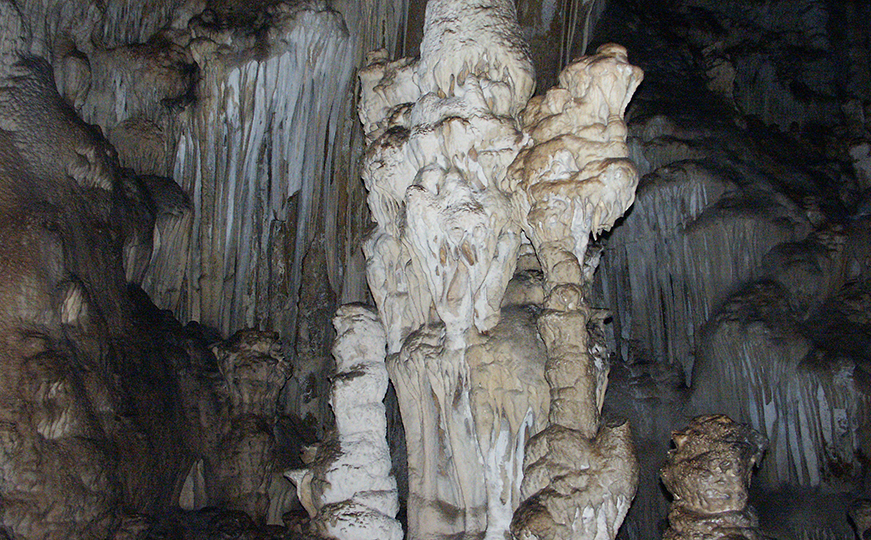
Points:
(708, 473)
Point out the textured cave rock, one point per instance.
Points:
(190, 90)
(84, 431)
(135, 397)
(738, 282)
(245, 155)
(254, 371)
(227, 99)
(799, 380)
(439, 145)
(708, 473)
(117, 408)
(575, 180)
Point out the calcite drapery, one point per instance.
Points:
(708, 472)
(441, 258)
(235, 260)
(349, 490)
(453, 185)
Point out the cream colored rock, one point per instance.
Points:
(579, 476)
(509, 397)
(578, 487)
(464, 245)
(452, 183)
(402, 297)
(477, 38)
(576, 179)
(385, 86)
(444, 161)
(348, 489)
(464, 476)
(708, 472)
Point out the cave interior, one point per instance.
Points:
(436, 270)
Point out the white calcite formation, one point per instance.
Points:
(348, 490)
(457, 177)
(576, 179)
(708, 473)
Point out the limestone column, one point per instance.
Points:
(573, 181)
(348, 489)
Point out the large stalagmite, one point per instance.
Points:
(348, 489)
(458, 178)
(441, 258)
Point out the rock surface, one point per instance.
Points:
(708, 473)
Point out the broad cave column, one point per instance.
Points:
(443, 131)
(456, 175)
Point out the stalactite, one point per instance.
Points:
(577, 14)
(251, 156)
(806, 403)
